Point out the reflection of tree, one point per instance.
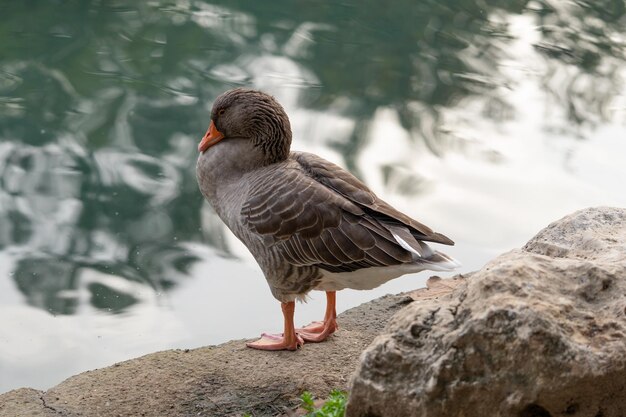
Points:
(33, 277)
(97, 81)
(434, 53)
(379, 54)
(62, 214)
(101, 104)
(584, 44)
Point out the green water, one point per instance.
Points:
(484, 119)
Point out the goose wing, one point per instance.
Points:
(315, 213)
(346, 184)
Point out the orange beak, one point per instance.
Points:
(211, 137)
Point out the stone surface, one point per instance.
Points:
(224, 380)
(25, 402)
(539, 332)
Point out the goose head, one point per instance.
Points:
(249, 115)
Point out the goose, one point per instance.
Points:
(310, 224)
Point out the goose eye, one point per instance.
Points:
(221, 112)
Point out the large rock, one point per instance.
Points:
(539, 331)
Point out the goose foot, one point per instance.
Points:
(317, 331)
(288, 340)
(276, 342)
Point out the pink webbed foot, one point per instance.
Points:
(276, 342)
(289, 340)
(317, 331)
(313, 327)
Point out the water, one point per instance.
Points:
(485, 120)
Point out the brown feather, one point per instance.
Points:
(320, 215)
(353, 189)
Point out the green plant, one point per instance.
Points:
(307, 401)
(335, 406)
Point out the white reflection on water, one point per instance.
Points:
(41, 184)
(142, 173)
(38, 349)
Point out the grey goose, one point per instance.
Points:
(309, 224)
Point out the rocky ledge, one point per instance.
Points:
(224, 380)
(538, 332)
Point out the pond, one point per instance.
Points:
(485, 120)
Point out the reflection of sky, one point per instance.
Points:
(498, 182)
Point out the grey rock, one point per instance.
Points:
(539, 331)
(26, 402)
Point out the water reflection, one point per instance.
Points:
(101, 107)
(584, 46)
(102, 103)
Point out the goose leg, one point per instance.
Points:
(289, 340)
(319, 331)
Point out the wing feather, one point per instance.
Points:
(316, 213)
(353, 189)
